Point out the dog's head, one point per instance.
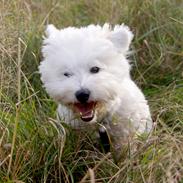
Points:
(83, 67)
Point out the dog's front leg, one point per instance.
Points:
(121, 140)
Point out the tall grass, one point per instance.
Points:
(33, 146)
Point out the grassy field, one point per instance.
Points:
(34, 149)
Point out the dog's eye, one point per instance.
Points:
(94, 70)
(67, 74)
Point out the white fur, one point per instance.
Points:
(124, 110)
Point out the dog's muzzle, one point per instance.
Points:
(84, 107)
(82, 95)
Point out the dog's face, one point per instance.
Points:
(83, 68)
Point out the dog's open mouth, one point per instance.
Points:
(86, 110)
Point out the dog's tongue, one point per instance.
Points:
(86, 110)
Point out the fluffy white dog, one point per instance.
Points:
(87, 73)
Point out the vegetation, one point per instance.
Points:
(33, 147)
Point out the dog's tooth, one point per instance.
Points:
(85, 116)
(89, 116)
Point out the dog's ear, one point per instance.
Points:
(121, 37)
(51, 30)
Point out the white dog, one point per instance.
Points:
(86, 72)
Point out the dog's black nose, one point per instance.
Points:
(82, 95)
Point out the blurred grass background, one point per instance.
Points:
(30, 143)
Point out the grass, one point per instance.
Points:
(33, 147)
